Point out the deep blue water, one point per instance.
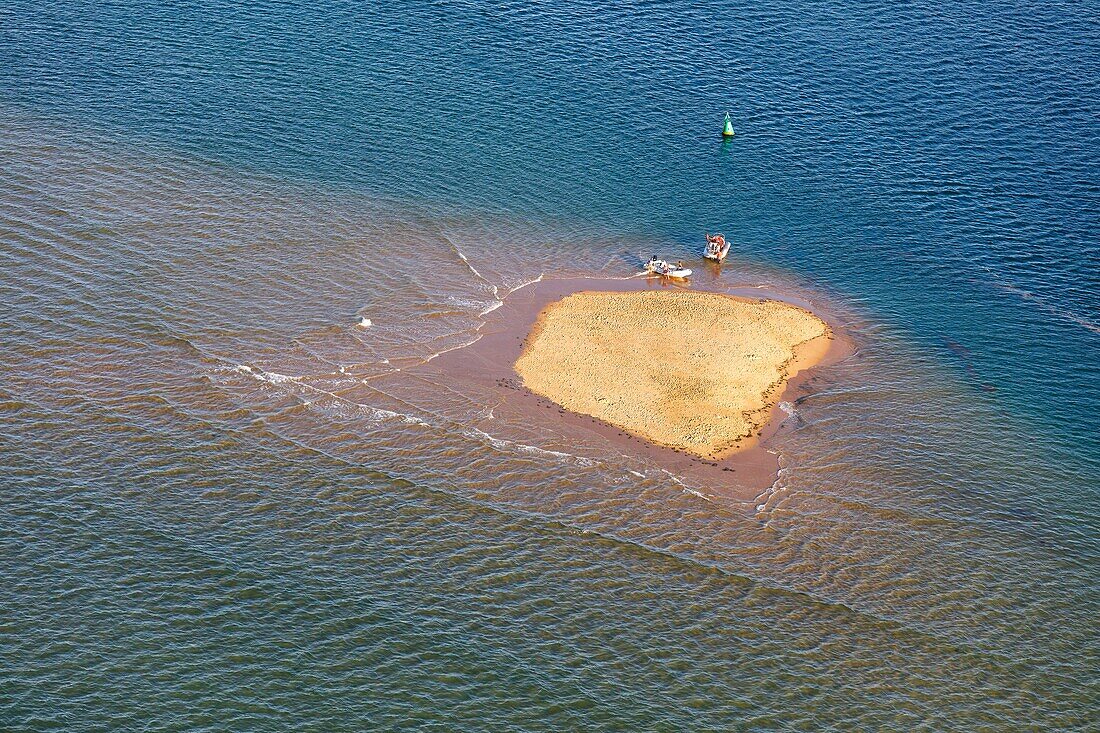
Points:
(934, 167)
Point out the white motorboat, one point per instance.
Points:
(717, 248)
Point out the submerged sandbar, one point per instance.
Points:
(693, 371)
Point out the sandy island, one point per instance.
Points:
(693, 371)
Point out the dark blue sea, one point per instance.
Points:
(225, 506)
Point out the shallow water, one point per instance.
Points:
(226, 504)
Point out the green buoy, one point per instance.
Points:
(727, 128)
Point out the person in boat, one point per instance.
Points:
(715, 244)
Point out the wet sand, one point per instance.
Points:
(689, 370)
(487, 367)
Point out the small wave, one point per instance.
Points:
(474, 270)
(466, 303)
(500, 299)
(491, 308)
(523, 285)
(685, 488)
(505, 444)
(261, 375)
(377, 413)
(696, 492)
(440, 353)
(761, 501)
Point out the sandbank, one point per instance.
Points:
(697, 372)
(484, 373)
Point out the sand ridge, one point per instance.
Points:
(695, 371)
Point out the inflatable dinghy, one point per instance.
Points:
(664, 269)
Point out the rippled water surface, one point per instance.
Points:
(225, 505)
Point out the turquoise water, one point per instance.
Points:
(226, 506)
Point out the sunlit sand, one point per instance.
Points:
(698, 372)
